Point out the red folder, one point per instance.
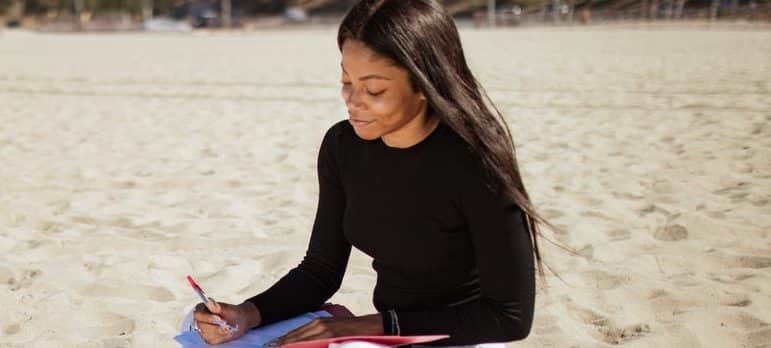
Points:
(384, 340)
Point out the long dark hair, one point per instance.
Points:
(421, 37)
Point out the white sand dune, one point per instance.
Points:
(131, 160)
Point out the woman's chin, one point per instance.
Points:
(366, 135)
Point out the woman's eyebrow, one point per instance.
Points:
(367, 77)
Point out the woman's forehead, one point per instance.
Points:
(356, 54)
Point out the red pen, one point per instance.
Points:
(223, 324)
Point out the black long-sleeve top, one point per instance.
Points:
(451, 256)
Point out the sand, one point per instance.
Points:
(131, 160)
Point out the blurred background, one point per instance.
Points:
(62, 15)
(144, 140)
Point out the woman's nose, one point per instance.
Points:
(352, 98)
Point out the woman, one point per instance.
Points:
(423, 178)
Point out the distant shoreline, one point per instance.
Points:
(277, 24)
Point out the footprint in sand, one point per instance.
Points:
(234, 183)
(553, 213)
(728, 190)
(666, 306)
(12, 329)
(590, 201)
(84, 220)
(595, 213)
(604, 280)
(671, 233)
(585, 315)
(59, 207)
(209, 152)
(759, 202)
(207, 172)
(587, 251)
(746, 261)
(716, 214)
(49, 227)
(731, 278)
(652, 208)
(24, 280)
(619, 335)
(606, 330)
(759, 338)
(627, 196)
(738, 197)
(116, 342)
(737, 300)
(661, 187)
(5, 275)
(280, 157)
(618, 234)
(547, 325)
(126, 184)
(117, 325)
(122, 222)
(113, 326)
(743, 321)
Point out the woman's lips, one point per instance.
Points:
(359, 123)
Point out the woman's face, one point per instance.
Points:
(378, 94)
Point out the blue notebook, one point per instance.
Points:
(188, 338)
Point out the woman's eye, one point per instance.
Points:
(375, 94)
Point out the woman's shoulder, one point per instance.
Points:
(458, 150)
(338, 140)
(466, 169)
(338, 132)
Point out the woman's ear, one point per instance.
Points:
(421, 96)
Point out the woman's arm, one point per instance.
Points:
(306, 287)
(504, 309)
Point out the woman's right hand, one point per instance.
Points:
(245, 315)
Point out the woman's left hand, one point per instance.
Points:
(321, 328)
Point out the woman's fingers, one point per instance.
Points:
(213, 306)
(212, 334)
(212, 319)
(209, 322)
(203, 315)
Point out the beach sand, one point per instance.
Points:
(131, 160)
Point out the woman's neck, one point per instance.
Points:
(412, 132)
